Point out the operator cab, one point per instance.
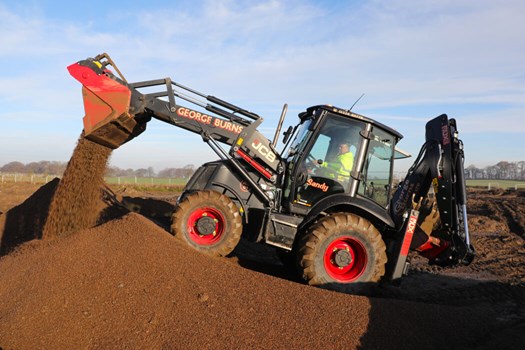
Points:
(339, 152)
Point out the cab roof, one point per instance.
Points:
(348, 113)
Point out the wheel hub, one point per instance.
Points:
(342, 258)
(205, 225)
(345, 259)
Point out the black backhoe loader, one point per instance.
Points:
(336, 214)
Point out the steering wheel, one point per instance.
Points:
(313, 164)
(313, 161)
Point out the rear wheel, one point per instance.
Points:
(343, 252)
(209, 222)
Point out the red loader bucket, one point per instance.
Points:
(106, 104)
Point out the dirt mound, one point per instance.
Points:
(507, 207)
(129, 284)
(496, 277)
(76, 203)
(26, 221)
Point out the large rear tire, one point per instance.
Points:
(342, 252)
(209, 222)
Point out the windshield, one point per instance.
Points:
(327, 161)
(301, 136)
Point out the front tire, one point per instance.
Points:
(209, 222)
(342, 252)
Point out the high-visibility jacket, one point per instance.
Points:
(346, 161)
(343, 165)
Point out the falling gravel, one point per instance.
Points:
(76, 203)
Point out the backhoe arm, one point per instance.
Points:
(440, 165)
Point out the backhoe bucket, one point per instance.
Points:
(106, 104)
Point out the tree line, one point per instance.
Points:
(501, 171)
(58, 168)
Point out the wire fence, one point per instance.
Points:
(145, 181)
(112, 180)
(497, 184)
(177, 182)
(26, 178)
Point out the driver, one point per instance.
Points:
(343, 162)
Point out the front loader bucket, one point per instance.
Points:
(106, 104)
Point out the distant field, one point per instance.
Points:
(144, 181)
(503, 184)
(178, 182)
(131, 180)
(26, 178)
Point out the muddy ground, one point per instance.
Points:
(126, 283)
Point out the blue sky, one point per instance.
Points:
(413, 60)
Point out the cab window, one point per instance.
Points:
(377, 170)
(327, 162)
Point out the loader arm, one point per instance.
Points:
(118, 111)
(440, 165)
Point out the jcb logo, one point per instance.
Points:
(263, 150)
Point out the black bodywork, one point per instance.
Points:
(439, 165)
(280, 195)
(279, 224)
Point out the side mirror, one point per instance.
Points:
(287, 134)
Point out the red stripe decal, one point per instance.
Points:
(253, 163)
(409, 233)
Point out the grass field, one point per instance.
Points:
(179, 182)
(492, 184)
(131, 180)
(144, 181)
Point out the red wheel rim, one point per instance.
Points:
(214, 229)
(345, 259)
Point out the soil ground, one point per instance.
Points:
(126, 283)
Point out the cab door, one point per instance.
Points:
(317, 172)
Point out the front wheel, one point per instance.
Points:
(343, 252)
(209, 222)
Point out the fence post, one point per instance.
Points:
(496, 185)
